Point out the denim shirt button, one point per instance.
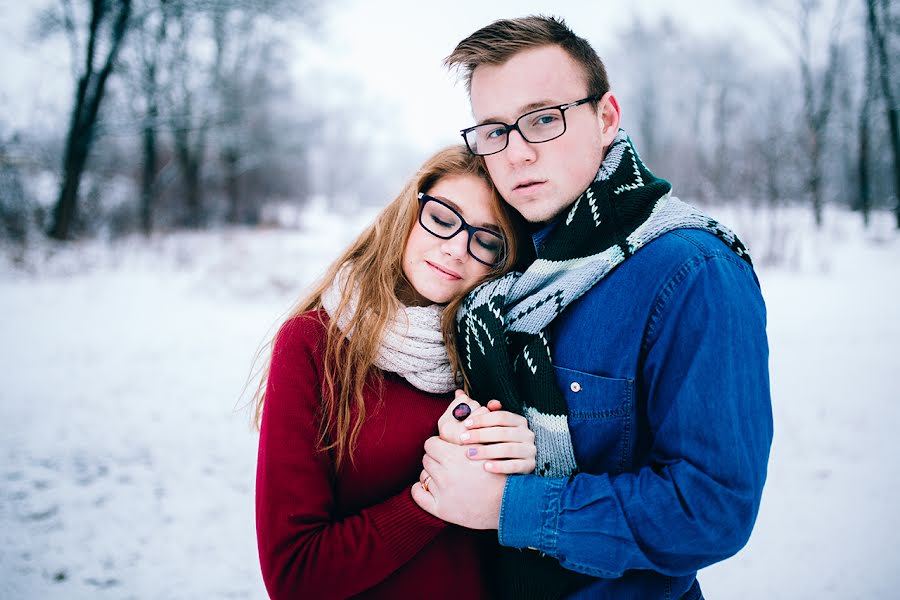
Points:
(575, 387)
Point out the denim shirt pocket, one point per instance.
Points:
(601, 416)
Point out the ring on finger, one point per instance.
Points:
(462, 411)
(426, 483)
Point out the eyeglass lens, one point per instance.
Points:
(441, 221)
(538, 126)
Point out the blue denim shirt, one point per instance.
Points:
(664, 366)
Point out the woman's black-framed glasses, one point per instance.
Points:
(442, 220)
(535, 127)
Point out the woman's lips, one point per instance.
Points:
(445, 273)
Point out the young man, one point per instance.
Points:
(634, 344)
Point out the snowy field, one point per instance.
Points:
(127, 462)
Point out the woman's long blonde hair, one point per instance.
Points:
(374, 267)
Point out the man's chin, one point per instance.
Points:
(538, 211)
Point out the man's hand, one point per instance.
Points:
(456, 489)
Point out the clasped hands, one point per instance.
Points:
(465, 467)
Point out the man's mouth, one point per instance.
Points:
(445, 273)
(527, 185)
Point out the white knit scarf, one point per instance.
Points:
(413, 345)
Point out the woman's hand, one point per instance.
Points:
(498, 437)
(450, 428)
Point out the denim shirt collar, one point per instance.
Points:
(539, 236)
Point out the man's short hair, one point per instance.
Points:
(501, 40)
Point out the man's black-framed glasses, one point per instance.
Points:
(442, 220)
(535, 127)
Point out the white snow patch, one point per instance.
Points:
(126, 470)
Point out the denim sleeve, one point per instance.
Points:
(704, 373)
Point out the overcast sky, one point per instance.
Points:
(382, 55)
(397, 47)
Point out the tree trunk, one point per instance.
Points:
(865, 197)
(814, 128)
(864, 201)
(89, 95)
(148, 176)
(879, 32)
(895, 144)
(190, 136)
(230, 158)
(194, 201)
(189, 162)
(74, 159)
(149, 187)
(815, 179)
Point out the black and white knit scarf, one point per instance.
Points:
(502, 325)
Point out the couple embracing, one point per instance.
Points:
(537, 374)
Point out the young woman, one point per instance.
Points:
(358, 378)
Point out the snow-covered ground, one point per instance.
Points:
(127, 460)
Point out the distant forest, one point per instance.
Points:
(182, 116)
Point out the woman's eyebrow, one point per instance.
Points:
(491, 226)
(455, 206)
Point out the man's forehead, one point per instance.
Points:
(532, 79)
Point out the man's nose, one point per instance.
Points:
(518, 150)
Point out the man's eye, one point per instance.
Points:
(545, 119)
(495, 133)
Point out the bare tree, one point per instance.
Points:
(646, 45)
(864, 199)
(218, 101)
(14, 202)
(152, 34)
(796, 28)
(879, 30)
(110, 18)
(190, 123)
(242, 85)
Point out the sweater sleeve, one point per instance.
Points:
(305, 551)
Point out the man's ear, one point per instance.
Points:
(609, 117)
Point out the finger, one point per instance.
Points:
(423, 476)
(437, 447)
(483, 410)
(463, 397)
(500, 418)
(517, 466)
(492, 435)
(424, 499)
(502, 451)
(460, 397)
(448, 424)
(458, 393)
(493, 405)
(449, 430)
(430, 465)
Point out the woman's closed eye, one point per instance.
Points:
(442, 223)
(489, 242)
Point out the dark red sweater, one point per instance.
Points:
(323, 534)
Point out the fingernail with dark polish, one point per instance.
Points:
(461, 411)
